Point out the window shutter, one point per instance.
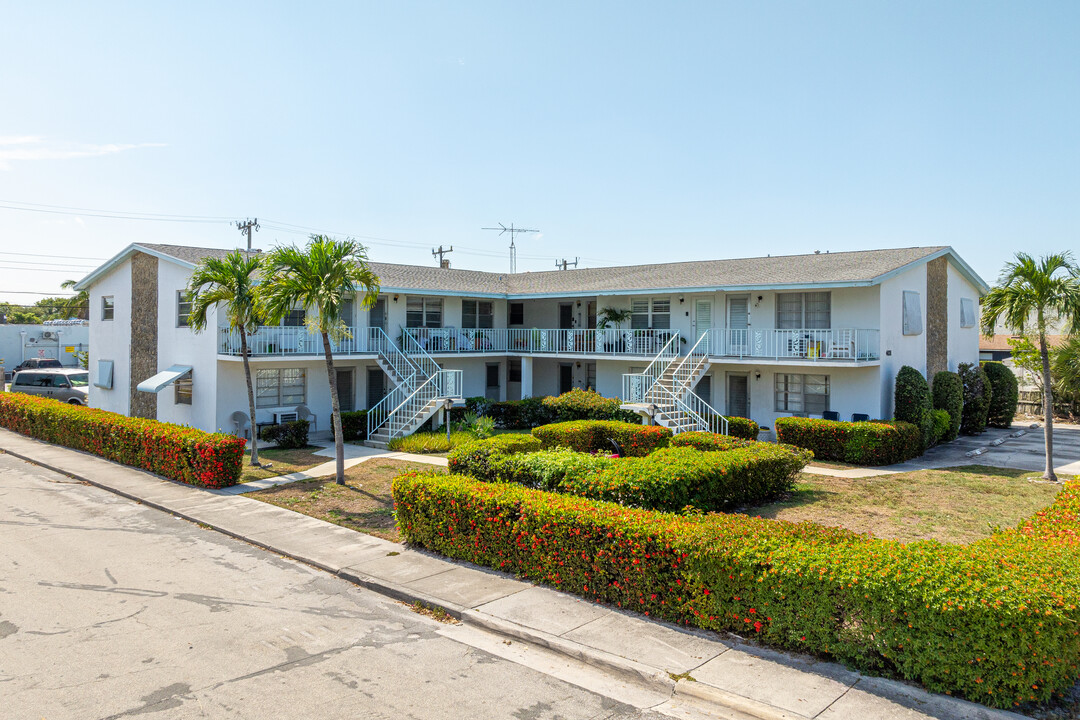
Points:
(912, 313)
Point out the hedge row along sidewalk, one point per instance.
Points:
(176, 452)
(859, 443)
(636, 440)
(996, 621)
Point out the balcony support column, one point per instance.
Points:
(526, 376)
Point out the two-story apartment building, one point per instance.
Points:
(756, 337)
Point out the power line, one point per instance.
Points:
(49, 264)
(69, 257)
(117, 212)
(34, 292)
(33, 269)
(109, 215)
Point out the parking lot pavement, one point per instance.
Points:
(1026, 452)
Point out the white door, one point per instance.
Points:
(702, 318)
(738, 342)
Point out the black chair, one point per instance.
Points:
(860, 417)
(830, 415)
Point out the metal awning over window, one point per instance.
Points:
(164, 378)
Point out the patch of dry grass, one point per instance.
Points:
(954, 505)
(364, 503)
(282, 462)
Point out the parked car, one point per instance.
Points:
(31, 364)
(71, 385)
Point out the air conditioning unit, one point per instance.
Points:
(47, 334)
(284, 417)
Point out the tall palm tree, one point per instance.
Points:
(319, 278)
(77, 306)
(229, 281)
(1030, 296)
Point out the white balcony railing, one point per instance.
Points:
(277, 340)
(801, 344)
(461, 341)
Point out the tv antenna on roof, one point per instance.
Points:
(513, 248)
(562, 265)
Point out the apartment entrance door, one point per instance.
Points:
(738, 340)
(346, 395)
(738, 395)
(376, 386)
(378, 314)
(566, 316)
(702, 318)
(566, 377)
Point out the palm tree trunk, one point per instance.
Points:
(1048, 408)
(251, 399)
(339, 442)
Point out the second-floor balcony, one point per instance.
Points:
(533, 341)
(805, 344)
(280, 340)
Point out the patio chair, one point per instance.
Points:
(841, 344)
(242, 423)
(860, 417)
(303, 413)
(830, 415)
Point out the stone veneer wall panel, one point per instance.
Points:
(144, 332)
(937, 316)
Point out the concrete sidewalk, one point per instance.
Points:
(721, 676)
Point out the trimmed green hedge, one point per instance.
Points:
(995, 621)
(942, 422)
(475, 458)
(859, 443)
(1004, 395)
(596, 436)
(289, 435)
(949, 396)
(675, 478)
(353, 426)
(911, 399)
(579, 404)
(176, 452)
(977, 396)
(710, 442)
(741, 427)
(546, 469)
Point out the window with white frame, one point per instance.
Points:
(423, 312)
(280, 387)
(477, 314)
(182, 390)
(107, 307)
(967, 313)
(806, 394)
(912, 313)
(810, 310)
(646, 313)
(183, 309)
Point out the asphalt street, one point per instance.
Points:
(109, 609)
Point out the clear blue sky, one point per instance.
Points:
(626, 132)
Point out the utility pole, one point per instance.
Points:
(440, 252)
(246, 226)
(513, 248)
(563, 265)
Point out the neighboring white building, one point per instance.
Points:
(61, 340)
(756, 337)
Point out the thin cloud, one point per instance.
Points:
(35, 147)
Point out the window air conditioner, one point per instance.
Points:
(47, 334)
(284, 417)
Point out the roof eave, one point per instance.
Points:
(109, 265)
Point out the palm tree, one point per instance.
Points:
(1031, 295)
(319, 278)
(229, 281)
(77, 306)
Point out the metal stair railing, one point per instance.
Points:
(636, 386)
(691, 364)
(405, 369)
(419, 356)
(380, 413)
(443, 384)
(699, 414)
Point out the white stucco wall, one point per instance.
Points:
(898, 349)
(111, 339)
(963, 342)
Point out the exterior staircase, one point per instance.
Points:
(421, 389)
(664, 392)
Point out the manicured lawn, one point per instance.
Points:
(955, 505)
(364, 503)
(282, 462)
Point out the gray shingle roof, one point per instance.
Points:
(823, 269)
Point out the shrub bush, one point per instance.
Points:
(423, 443)
(353, 426)
(738, 427)
(912, 402)
(596, 436)
(1004, 395)
(288, 435)
(547, 469)
(582, 405)
(977, 397)
(942, 423)
(949, 396)
(674, 478)
(474, 458)
(994, 621)
(521, 414)
(860, 443)
(710, 442)
(173, 451)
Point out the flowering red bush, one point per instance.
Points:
(997, 621)
(596, 436)
(860, 443)
(173, 451)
